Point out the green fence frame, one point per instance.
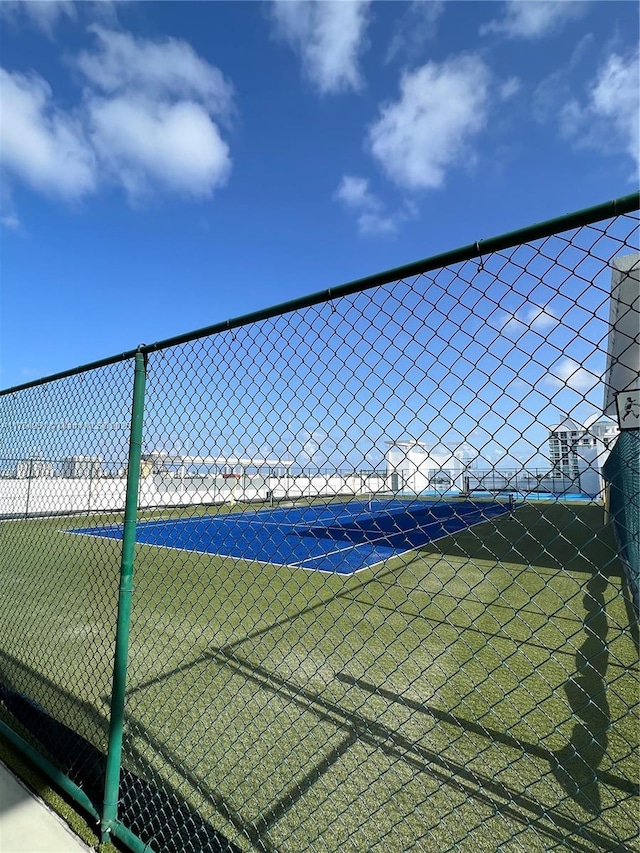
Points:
(107, 814)
(121, 653)
(622, 470)
(617, 207)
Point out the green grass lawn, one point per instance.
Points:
(479, 694)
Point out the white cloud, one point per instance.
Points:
(309, 448)
(540, 319)
(11, 222)
(328, 36)
(427, 130)
(44, 146)
(151, 125)
(372, 222)
(609, 118)
(494, 453)
(509, 88)
(167, 68)
(354, 192)
(531, 19)
(148, 144)
(9, 219)
(568, 373)
(561, 84)
(416, 26)
(43, 14)
(145, 122)
(535, 317)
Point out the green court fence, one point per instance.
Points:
(622, 470)
(339, 575)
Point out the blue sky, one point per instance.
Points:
(166, 166)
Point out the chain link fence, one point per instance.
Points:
(622, 470)
(342, 576)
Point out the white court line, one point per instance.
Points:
(409, 550)
(250, 517)
(300, 563)
(384, 536)
(238, 520)
(233, 557)
(241, 518)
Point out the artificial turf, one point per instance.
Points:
(477, 694)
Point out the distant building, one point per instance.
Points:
(570, 445)
(415, 466)
(153, 462)
(34, 466)
(82, 467)
(563, 440)
(601, 427)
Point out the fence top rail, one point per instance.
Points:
(537, 231)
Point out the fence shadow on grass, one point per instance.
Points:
(524, 809)
(576, 766)
(148, 806)
(495, 735)
(554, 536)
(356, 727)
(34, 701)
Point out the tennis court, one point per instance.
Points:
(337, 537)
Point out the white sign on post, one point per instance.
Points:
(628, 404)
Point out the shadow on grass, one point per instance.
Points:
(587, 694)
(572, 539)
(485, 789)
(491, 734)
(576, 765)
(67, 747)
(145, 804)
(151, 808)
(555, 536)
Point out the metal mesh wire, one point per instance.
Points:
(622, 470)
(63, 445)
(376, 603)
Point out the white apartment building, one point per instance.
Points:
(34, 466)
(82, 467)
(570, 444)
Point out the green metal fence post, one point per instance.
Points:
(116, 721)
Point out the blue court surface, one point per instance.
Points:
(339, 537)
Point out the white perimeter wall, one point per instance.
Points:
(45, 496)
